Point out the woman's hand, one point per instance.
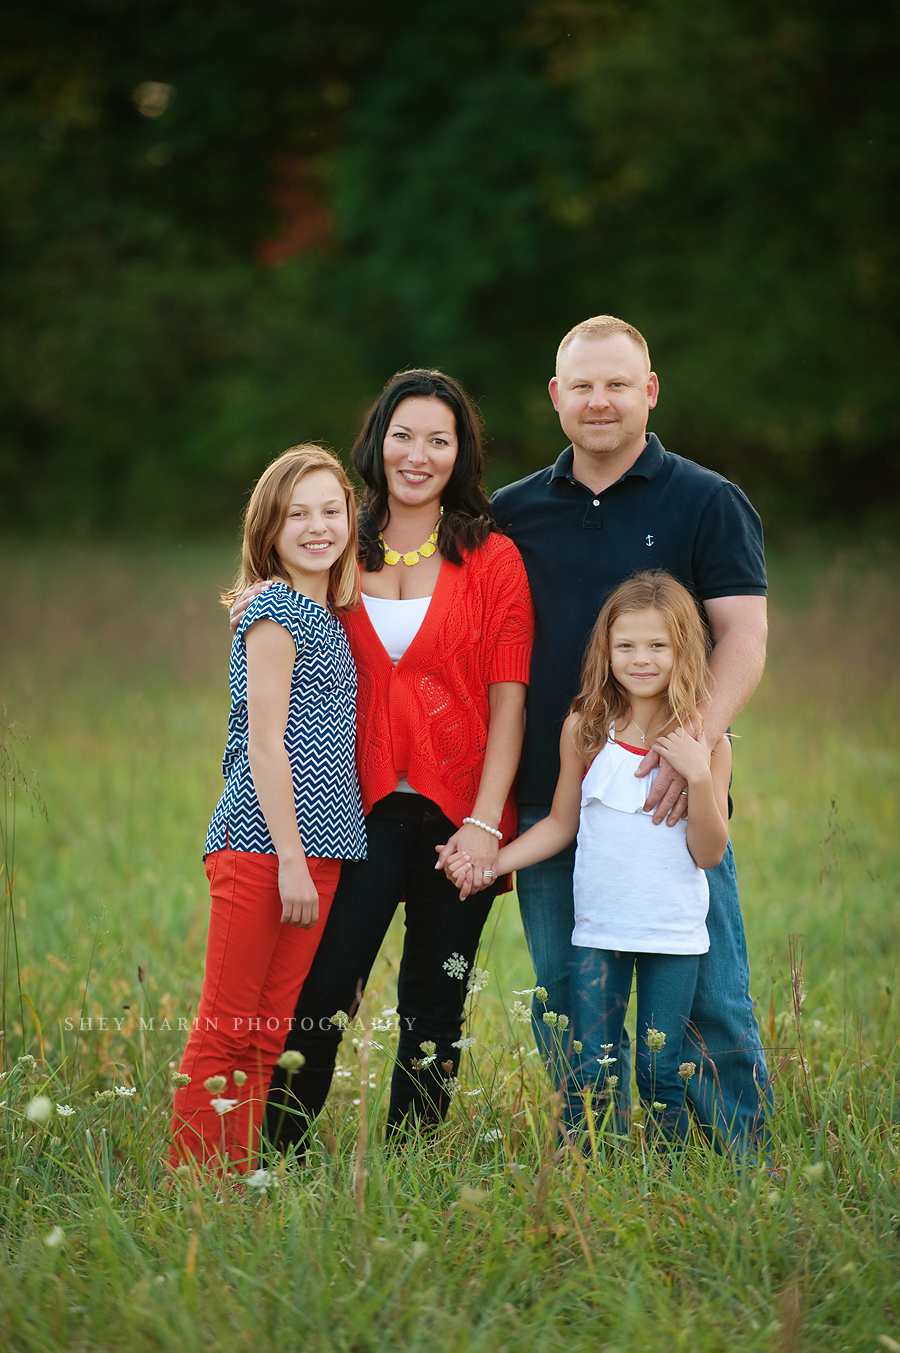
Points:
(299, 898)
(243, 601)
(481, 850)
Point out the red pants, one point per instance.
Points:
(255, 967)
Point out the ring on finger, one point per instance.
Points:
(684, 793)
(487, 873)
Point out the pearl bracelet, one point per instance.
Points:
(476, 822)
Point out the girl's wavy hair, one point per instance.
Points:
(468, 518)
(266, 514)
(602, 700)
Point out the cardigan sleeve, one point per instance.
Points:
(509, 617)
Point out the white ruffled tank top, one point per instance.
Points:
(637, 888)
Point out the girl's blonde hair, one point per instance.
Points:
(266, 514)
(602, 700)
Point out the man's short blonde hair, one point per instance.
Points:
(604, 326)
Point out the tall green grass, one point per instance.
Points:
(114, 661)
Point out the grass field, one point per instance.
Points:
(114, 661)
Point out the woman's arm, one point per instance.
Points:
(506, 729)
(271, 654)
(707, 775)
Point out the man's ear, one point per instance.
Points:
(652, 390)
(553, 387)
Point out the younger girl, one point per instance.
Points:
(641, 895)
(291, 810)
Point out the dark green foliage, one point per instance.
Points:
(335, 192)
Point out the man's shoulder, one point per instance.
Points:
(522, 490)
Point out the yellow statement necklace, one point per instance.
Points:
(411, 557)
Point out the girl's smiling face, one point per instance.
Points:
(314, 534)
(419, 452)
(642, 656)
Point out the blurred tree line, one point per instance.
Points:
(226, 222)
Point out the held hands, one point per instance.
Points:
(668, 797)
(244, 601)
(469, 859)
(684, 753)
(299, 898)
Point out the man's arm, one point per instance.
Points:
(739, 628)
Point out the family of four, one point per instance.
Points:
(445, 689)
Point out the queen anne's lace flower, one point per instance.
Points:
(263, 1180)
(340, 1019)
(223, 1105)
(464, 1044)
(478, 979)
(64, 1110)
(456, 965)
(180, 1079)
(126, 1091)
(291, 1060)
(39, 1110)
(215, 1084)
(655, 1040)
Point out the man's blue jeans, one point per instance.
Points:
(730, 1093)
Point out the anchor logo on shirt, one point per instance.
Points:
(649, 540)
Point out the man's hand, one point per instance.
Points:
(668, 793)
(244, 601)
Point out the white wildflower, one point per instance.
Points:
(492, 1135)
(521, 1012)
(239, 1078)
(429, 1047)
(562, 1022)
(215, 1084)
(40, 1109)
(550, 1017)
(606, 1061)
(126, 1091)
(263, 1180)
(478, 979)
(686, 1070)
(65, 1110)
(612, 1082)
(55, 1238)
(577, 1046)
(223, 1105)
(655, 1040)
(464, 1044)
(456, 965)
(180, 1079)
(540, 993)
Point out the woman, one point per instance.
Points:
(442, 644)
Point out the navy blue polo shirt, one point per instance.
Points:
(665, 512)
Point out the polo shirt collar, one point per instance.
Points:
(647, 465)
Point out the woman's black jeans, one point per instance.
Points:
(403, 830)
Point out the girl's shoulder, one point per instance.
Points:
(278, 602)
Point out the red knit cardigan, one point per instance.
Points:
(427, 718)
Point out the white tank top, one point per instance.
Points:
(637, 888)
(396, 623)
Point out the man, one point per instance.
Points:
(616, 502)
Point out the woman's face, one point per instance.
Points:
(419, 450)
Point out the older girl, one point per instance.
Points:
(291, 811)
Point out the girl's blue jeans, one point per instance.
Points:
(730, 1094)
(601, 987)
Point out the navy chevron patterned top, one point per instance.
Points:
(320, 737)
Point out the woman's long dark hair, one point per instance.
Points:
(468, 518)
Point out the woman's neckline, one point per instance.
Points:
(395, 601)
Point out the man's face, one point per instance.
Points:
(603, 393)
